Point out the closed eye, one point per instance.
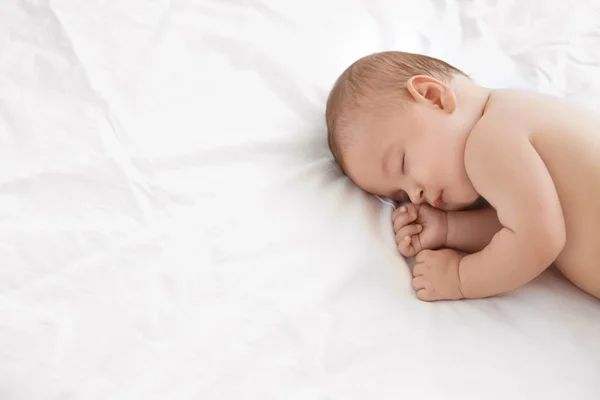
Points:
(403, 158)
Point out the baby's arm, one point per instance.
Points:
(471, 231)
(506, 169)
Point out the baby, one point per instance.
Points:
(414, 128)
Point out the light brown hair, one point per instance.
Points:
(375, 82)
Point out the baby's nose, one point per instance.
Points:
(418, 196)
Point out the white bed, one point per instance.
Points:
(172, 225)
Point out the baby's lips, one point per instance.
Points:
(439, 202)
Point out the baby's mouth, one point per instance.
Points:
(439, 202)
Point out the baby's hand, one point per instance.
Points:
(419, 227)
(436, 275)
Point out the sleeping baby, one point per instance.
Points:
(416, 129)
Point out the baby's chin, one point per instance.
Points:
(478, 202)
(452, 207)
(464, 205)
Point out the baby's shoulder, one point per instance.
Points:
(511, 106)
(508, 114)
(503, 126)
(537, 117)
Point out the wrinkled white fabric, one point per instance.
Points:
(172, 225)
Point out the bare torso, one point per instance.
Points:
(567, 138)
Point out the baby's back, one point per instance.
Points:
(567, 138)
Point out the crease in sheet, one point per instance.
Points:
(114, 145)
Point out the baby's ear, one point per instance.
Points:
(426, 89)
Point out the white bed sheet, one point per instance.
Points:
(172, 225)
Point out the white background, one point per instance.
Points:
(172, 225)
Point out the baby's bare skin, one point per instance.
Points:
(567, 138)
(418, 130)
(556, 199)
(534, 158)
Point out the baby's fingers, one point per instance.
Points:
(403, 217)
(405, 241)
(408, 230)
(406, 248)
(403, 209)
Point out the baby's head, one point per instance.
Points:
(397, 125)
